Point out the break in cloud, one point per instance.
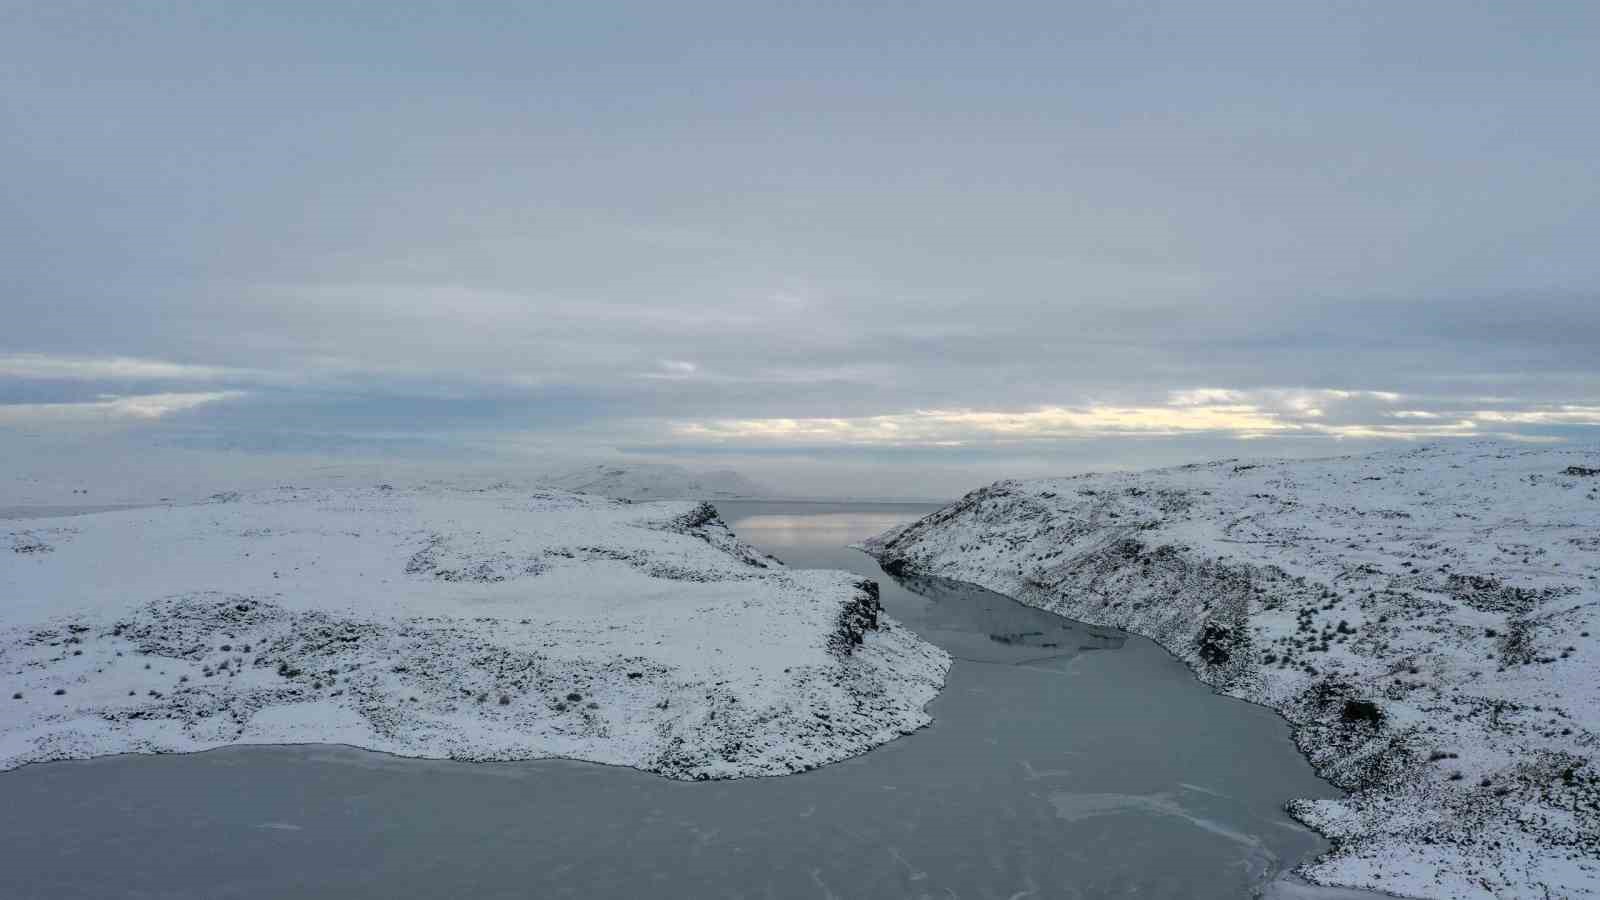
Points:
(107, 409)
(851, 249)
(1243, 415)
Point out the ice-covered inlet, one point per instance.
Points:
(465, 624)
(1427, 620)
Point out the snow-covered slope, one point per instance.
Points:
(443, 622)
(134, 473)
(654, 481)
(1426, 620)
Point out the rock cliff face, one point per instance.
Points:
(1424, 619)
(857, 619)
(490, 623)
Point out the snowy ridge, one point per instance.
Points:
(1426, 620)
(655, 481)
(442, 622)
(132, 474)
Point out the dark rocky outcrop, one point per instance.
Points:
(1216, 643)
(856, 618)
(1361, 711)
(895, 566)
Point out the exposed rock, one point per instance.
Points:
(1361, 711)
(856, 618)
(1216, 643)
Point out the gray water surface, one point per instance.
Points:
(1065, 761)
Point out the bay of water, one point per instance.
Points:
(1064, 761)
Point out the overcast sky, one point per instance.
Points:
(896, 248)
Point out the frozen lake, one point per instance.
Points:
(1065, 761)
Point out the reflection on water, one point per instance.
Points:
(1050, 771)
(816, 535)
(967, 621)
(974, 624)
(832, 529)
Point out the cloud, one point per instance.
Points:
(1559, 415)
(1239, 414)
(136, 408)
(981, 251)
(674, 370)
(76, 368)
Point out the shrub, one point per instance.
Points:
(1361, 711)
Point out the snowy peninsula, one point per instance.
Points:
(475, 624)
(1428, 621)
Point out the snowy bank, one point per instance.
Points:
(1426, 620)
(447, 623)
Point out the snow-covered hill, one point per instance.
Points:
(656, 481)
(142, 477)
(1427, 620)
(491, 623)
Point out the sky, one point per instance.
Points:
(852, 249)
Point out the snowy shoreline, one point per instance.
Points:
(1424, 620)
(480, 624)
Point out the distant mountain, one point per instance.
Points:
(127, 470)
(656, 481)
